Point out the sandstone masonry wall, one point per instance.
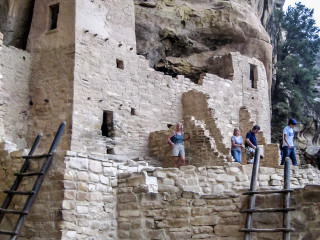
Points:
(205, 202)
(106, 196)
(43, 221)
(14, 101)
(51, 80)
(156, 98)
(109, 76)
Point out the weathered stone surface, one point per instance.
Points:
(89, 67)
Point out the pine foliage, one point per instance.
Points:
(296, 46)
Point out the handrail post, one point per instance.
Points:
(57, 137)
(286, 200)
(253, 187)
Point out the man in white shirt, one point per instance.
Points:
(288, 145)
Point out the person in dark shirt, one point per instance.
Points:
(251, 143)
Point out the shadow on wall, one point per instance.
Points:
(15, 21)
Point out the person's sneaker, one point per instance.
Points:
(249, 161)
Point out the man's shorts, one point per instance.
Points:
(178, 150)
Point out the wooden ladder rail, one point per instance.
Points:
(286, 199)
(253, 188)
(37, 184)
(286, 229)
(18, 179)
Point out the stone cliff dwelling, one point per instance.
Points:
(116, 80)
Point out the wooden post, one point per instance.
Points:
(286, 199)
(253, 187)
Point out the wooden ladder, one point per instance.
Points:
(38, 181)
(285, 229)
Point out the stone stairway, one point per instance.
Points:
(203, 148)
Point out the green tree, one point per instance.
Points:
(296, 45)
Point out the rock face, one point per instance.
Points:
(183, 37)
(15, 20)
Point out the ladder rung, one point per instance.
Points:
(8, 233)
(29, 174)
(13, 211)
(268, 210)
(19, 192)
(38, 156)
(268, 192)
(267, 230)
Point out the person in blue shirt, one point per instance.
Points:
(236, 145)
(177, 144)
(251, 143)
(288, 145)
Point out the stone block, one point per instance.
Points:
(69, 185)
(175, 235)
(136, 180)
(82, 176)
(159, 234)
(276, 177)
(129, 213)
(225, 178)
(95, 167)
(168, 182)
(78, 163)
(104, 180)
(228, 231)
(173, 223)
(93, 177)
(275, 182)
(127, 198)
(82, 209)
(70, 195)
(263, 177)
(205, 220)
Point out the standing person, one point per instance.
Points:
(177, 144)
(251, 143)
(288, 145)
(236, 145)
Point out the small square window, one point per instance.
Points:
(120, 64)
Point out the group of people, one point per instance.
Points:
(250, 144)
(288, 149)
(176, 140)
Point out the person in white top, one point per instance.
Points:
(288, 145)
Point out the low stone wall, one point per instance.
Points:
(114, 197)
(205, 203)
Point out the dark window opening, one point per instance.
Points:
(54, 13)
(110, 151)
(107, 126)
(253, 76)
(120, 64)
(133, 111)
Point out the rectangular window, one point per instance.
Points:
(54, 13)
(107, 126)
(253, 75)
(120, 64)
